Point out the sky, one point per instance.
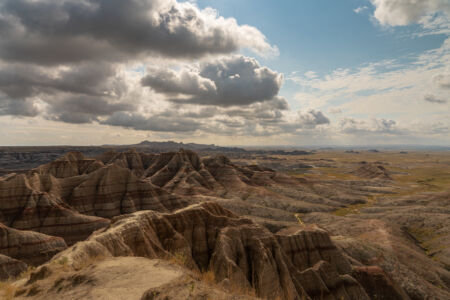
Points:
(228, 72)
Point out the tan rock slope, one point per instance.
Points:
(372, 242)
(118, 278)
(206, 237)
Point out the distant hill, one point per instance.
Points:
(174, 146)
(19, 159)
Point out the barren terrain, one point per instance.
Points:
(326, 224)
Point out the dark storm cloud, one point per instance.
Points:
(236, 80)
(67, 31)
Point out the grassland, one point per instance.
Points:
(412, 172)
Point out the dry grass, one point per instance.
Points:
(241, 290)
(355, 208)
(65, 264)
(85, 263)
(7, 290)
(327, 173)
(298, 216)
(178, 258)
(424, 179)
(209, 277)
(26, 273)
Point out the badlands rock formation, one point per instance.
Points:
(372, 171)
(30, 247)
(205, 237)
(10, 267)
(236, 222)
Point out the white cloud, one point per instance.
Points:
(335, 110)
(360, 9)
(373, 126)
(404, 12)
(432, 15)
(389, 93)
(443, 80)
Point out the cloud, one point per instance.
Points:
(433, 99)
(186, 82)
(19, 107)
(257, 119)
(22, 81)
(159, 123)
(335, 110)
(228, 81)
(373, 126)
(312, 118)
(380, 89)
(75, 94)
(443, 80)
(360, 9)
(84, 109)
(405, 12)
(77, 61)
(69, 31)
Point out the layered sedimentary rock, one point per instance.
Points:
(33, 248)
(372, 171)
(208, 237)
(372, 242)
(179, 172)
(113, 190)
(69, 165)
(31, 202)
(67, 200)
(10, 267)
(249, 190)
(74, 196)
(378, 284)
